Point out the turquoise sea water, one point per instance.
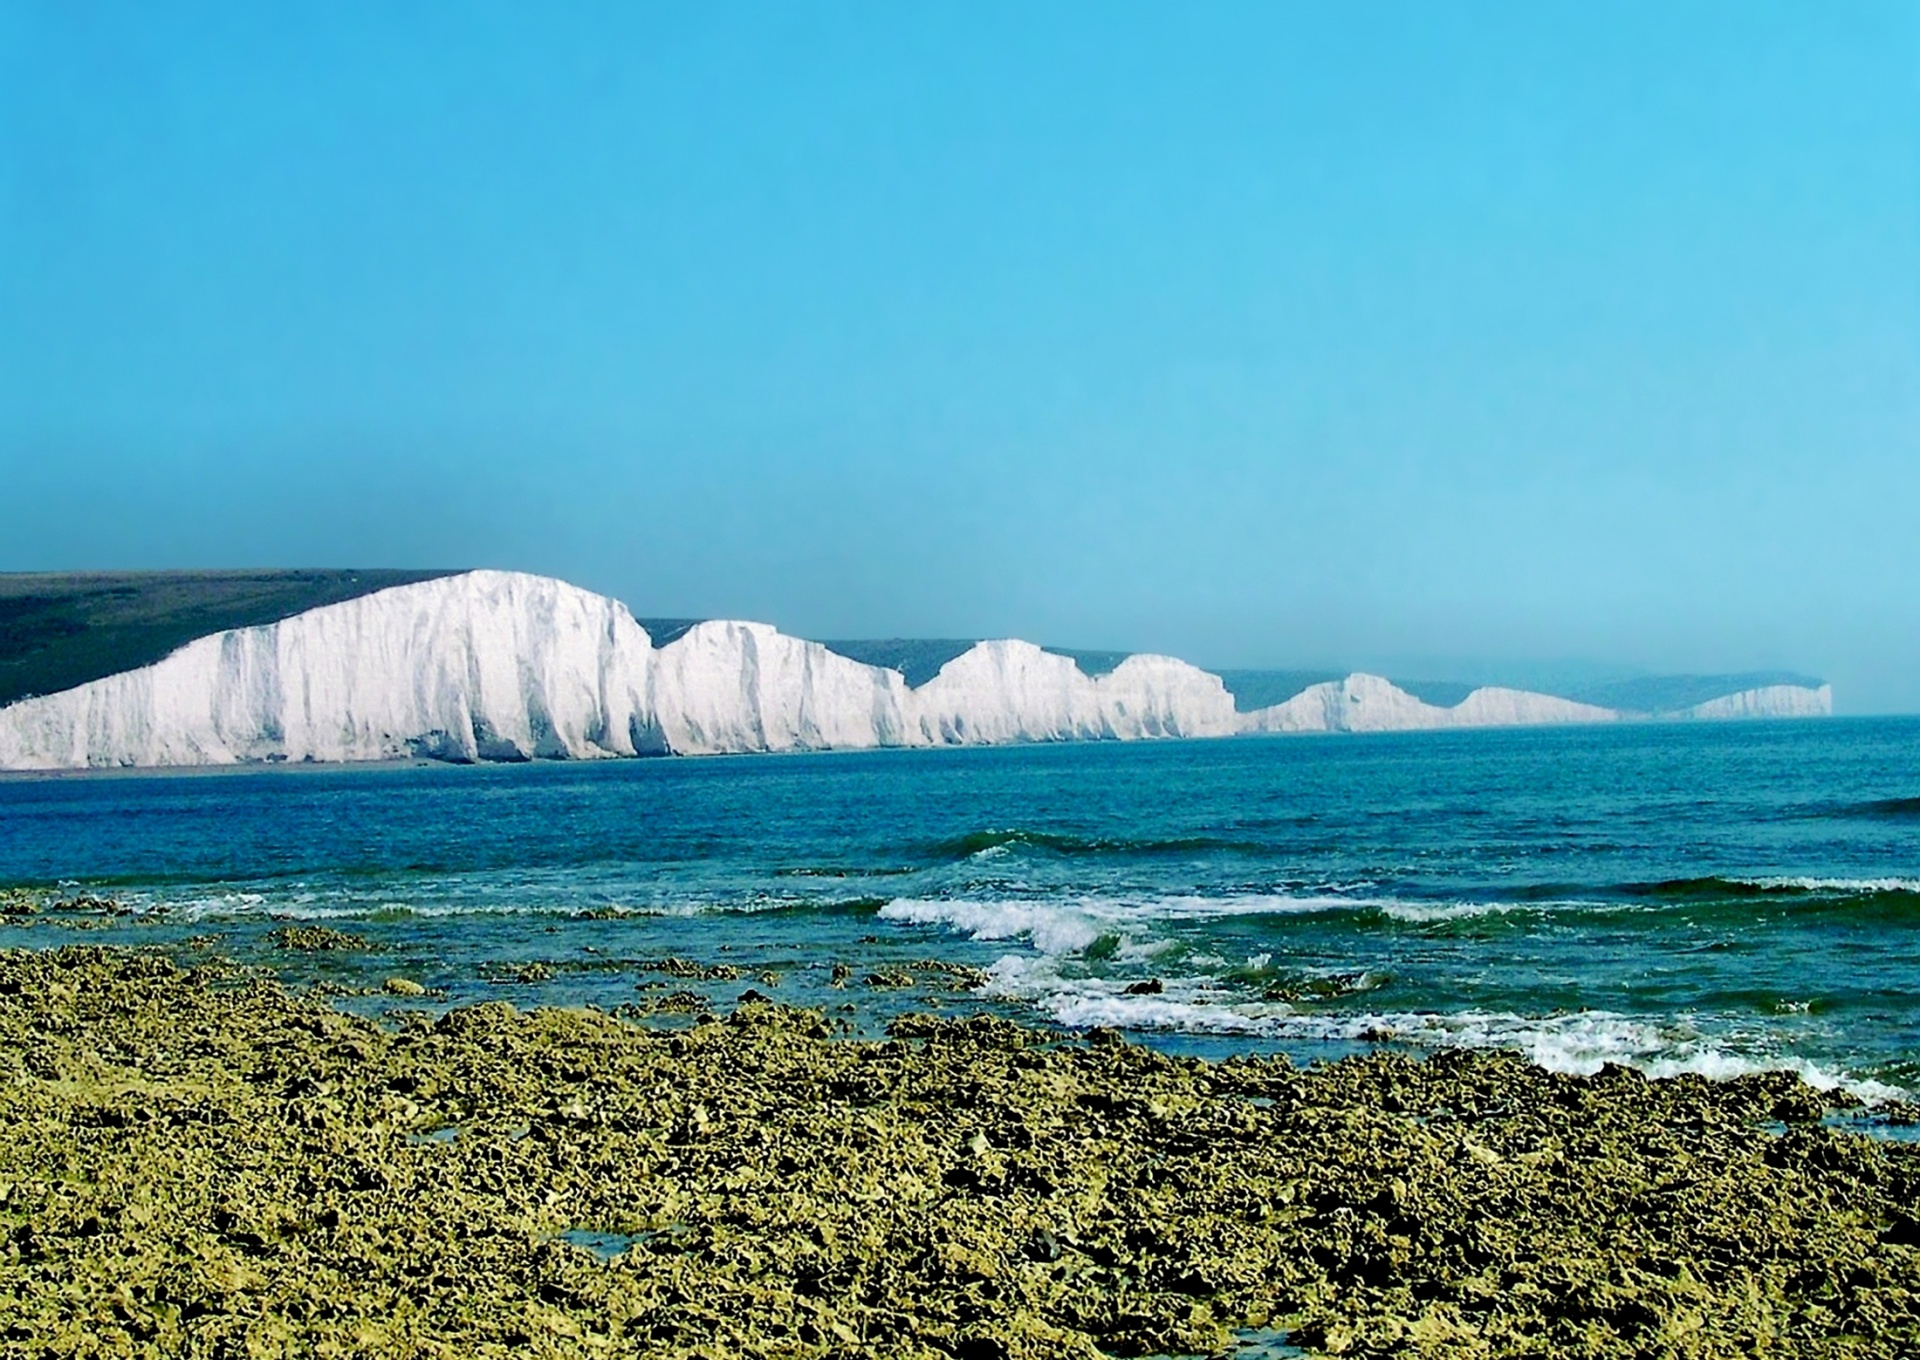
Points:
(1703, 898)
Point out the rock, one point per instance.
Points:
(692, 972)
(399, 986)
(317, 939)
(197, 1169)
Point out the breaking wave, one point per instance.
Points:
(442, 901)
(1055, 927)
(1578, 1042)
(981, 843)
(1067, 925)
(1714, 888)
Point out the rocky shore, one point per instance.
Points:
(196, 1161)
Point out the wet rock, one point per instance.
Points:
(317, 939)
(690, 971)
(400, 986)
(86, 904)
(18, 902)
(673, 1003)
(201, 1169)
(957, 977)
(1151, 987)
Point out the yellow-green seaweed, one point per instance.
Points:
(196, 1162)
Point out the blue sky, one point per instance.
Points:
(1418, 336)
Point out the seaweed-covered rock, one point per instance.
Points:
(689, 970)
(317, 939)
(197, 1162)
(17, 902)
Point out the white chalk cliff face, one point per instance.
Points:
(1366, 703)
(1010, 691)
(490, 665)
(730, 687)
(494, 665)
(1769, 701)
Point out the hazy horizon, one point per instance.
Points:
(1395, 338)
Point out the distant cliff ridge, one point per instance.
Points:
(490, 665)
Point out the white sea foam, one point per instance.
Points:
(1186, 1004)
(1051, 929)
(1057, 927)
(1860, 886)
(1072, 926)
(1420, 913)
(1431, 913)
(1579, 1042)
(454, 896)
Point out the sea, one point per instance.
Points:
(1681, 898)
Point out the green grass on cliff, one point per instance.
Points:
(61, 629)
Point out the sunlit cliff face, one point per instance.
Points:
(491, 665)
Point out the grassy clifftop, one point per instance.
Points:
(61, 629)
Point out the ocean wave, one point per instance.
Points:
(1863, 887)
(983, 844)
(1578, 1042)
(1050, 929)
(841, 871)
(1719, 888)
(1301, 983)
(1736, 901)
(1069, 925)
(1896, 808)
(1076, 925)
(1424, 913)
(352, 905)
(1057, 921)
(813, 906)
(1705, 888)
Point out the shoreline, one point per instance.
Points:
(200, 1159)
(241, 767)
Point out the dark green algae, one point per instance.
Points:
(197, 1162)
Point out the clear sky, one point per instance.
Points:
(1414, 335)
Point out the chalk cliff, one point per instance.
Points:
(1367, 703)
(483, 666)
(1768, 701)
(491, 665)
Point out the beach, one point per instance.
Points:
(201, 1161)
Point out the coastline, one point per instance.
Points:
(491, 665)
(238, 767)
(389, 764)
(199, 1159)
